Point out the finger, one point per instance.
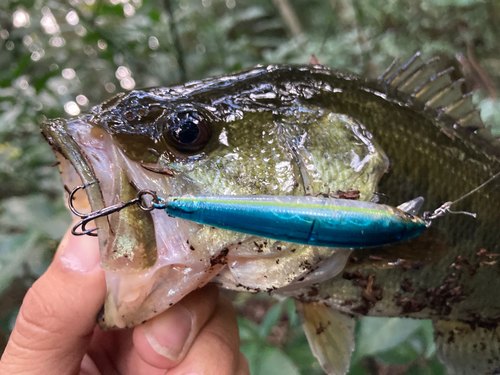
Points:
(216, 350)
(243, 367)
(58, 314)
(113, 353)
(163, 341)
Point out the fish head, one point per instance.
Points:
(232, 135)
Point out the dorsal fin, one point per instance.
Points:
(425, 87)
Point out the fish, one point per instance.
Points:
(295, 130)
(449, 274)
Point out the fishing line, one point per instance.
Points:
(427, 217)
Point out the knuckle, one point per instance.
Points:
(23, 352)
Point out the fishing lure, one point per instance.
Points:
(305, 220)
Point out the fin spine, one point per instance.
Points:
(440, 97)
(431, 102)
(384, 75)
(436, 78)
(417, 73)
(397, 76)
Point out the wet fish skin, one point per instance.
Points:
(255, 135)
(451, 273)
(429, 163)
(446, 274)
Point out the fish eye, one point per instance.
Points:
(187, 131)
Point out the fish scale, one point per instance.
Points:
(414, 116)
(449, 282)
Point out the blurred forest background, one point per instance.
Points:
(58, 58)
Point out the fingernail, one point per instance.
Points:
(79, 253)
(168, 333)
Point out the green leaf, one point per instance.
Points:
(433, 367)
(15, 250)
(272, 317)
(293, 317)
(27, 4)
(154, 14)
(298, 350)
(40, 83)
(249, 331)
(275, 362)
(389, 333)
(111, 10)
(253, 352)
(357, 369)
(403, 353)
(426, 334)
(22, 65)
(34, 213)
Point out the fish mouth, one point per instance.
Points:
(145, 256)
(87, 157)
(75, 169)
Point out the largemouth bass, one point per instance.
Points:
(296, 130)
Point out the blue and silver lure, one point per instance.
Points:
(304, 220)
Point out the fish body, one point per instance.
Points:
(304, 220)
(243, 134)
(291, 131)
(450, 274)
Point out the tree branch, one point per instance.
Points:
(176, 40)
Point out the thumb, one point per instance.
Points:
(58, 314)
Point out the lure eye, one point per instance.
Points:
(187, 131)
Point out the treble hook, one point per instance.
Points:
(87, 218)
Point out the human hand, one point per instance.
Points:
(56, 332)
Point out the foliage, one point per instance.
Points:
(59, 58)
(278, 346)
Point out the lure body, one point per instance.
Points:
(304, 220)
